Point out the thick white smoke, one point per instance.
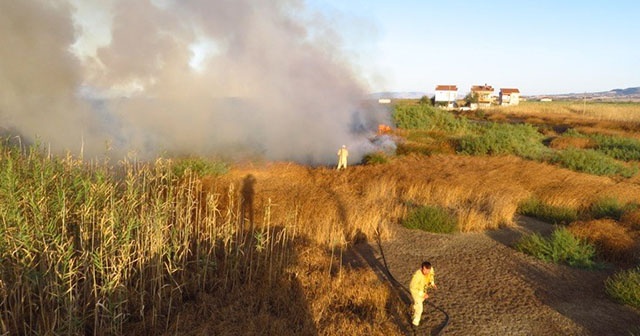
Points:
(228, 77)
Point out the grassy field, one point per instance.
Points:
(155, 247)
(591, 117)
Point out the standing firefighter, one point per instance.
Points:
(342, 157)
(422, 279)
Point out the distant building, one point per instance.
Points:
(545, 99)
(384, 101)
(446, 94)
(509, 96)
(484, 94)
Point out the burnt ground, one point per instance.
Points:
(486, 287)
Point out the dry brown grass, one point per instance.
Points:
(332, 208)
(483, 192)
(565, 142)
(621, 119)
(314, 296)
(593, 110)
(631, 219)
(614, 242)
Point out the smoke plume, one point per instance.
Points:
(200, 77)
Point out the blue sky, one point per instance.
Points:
(537, 46)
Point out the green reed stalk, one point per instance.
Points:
(87, 247)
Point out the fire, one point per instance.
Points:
(383, 129)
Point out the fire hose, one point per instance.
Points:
(398, 285)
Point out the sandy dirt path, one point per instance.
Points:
(489, 288)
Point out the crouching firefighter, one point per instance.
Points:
(422, 279)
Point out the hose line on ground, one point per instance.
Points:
(397, 284)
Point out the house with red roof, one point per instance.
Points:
(446, 94)
(484, 94)
(509, 96)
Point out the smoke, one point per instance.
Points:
(38, 75)
(233, 78)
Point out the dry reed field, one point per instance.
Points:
(271, 248)
(590, 117)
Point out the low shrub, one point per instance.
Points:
(620, 148)
(592, 162)
(617, 147)
(199, 167)
(624, 287)
(424, 148)
(406, 148)
(422, 136)
(375, 158)
(561, 247)
(606, 207)
(431, 219)
(427, 117)
(613, 241)
(495, 138)
(533, 207)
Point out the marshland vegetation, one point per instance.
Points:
(130, 247)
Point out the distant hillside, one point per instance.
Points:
(627, 91)
(628, 94)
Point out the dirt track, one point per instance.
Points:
(488, 288)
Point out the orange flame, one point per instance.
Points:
(383, 129)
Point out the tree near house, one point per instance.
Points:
(471, 98)
(426, 100)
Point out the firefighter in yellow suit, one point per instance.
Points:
(422, 279)
(342, 157)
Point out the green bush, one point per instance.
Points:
(617, 147)
(431, 219)
(607, 207)
(375, 158)
(423, 136)
(425, 143)
(625, 287)
(533, 207)
(572, 132)
(592, 162)
(199, 167)
(620, 148)
(427, 117)
(561, 247)
(494, 138)
(417, 148)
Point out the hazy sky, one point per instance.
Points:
(538, 46)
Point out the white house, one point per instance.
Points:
(509, 96)
(446, 94)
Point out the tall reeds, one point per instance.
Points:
(86, 248)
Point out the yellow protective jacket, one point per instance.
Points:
(420, 282)
(343, 153)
